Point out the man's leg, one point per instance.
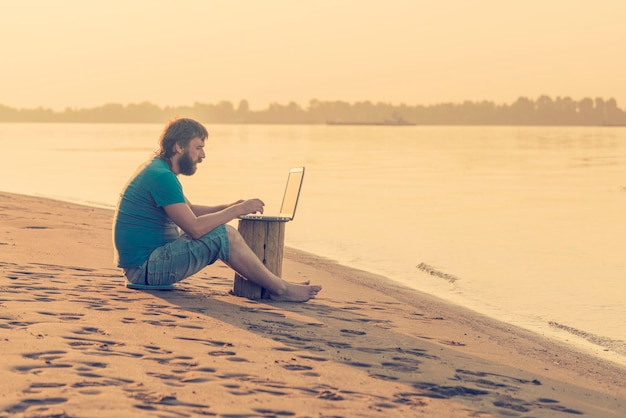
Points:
(247, 264)
(185, 256)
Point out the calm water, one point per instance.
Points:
(522, 223)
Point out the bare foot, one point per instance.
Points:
(297, 292)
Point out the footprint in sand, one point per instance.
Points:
(213, 343)
(383, 377)
(45, 355)
(296, 367)
(358, 364)
(274, 412)
(401, 365)
(24, 404)
(353, 332)
(64, 316)
(220, 353)
(320, 359)
(337, 344)
(36, 369)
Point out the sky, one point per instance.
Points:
(75, 53)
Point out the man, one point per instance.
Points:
(152, 211)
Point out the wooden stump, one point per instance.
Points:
(267, 241)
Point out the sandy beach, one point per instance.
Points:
(76, 343)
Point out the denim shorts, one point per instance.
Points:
(181, 258)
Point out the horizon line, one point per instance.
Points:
(378, 102)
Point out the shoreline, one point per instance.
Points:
(69, 327)
(437, 307)
(597, 346)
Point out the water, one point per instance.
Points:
(525, 224)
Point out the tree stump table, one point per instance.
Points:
(267, 241)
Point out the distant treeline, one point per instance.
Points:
(524, 111)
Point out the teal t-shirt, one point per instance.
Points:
(140, 223)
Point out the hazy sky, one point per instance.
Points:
(83, 53)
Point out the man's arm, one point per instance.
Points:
(200, 210)
(196, 226)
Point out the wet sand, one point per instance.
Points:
(76, 342)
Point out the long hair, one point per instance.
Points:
(179, 131)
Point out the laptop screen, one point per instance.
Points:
(292, 191)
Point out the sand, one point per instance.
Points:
(76, 343)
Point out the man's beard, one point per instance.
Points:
(186, 165)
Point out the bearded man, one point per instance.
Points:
(161, 238)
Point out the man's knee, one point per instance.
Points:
(233, 234)
(235, 240)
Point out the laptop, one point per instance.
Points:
(290, 199)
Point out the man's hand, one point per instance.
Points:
(250, 206)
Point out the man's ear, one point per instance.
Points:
(178, 149)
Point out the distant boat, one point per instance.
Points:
(388, 122)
